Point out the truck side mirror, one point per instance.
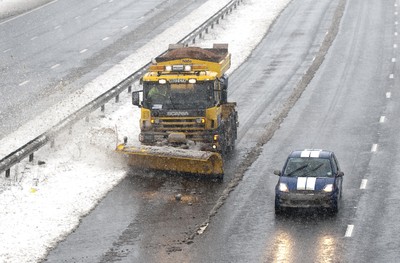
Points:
(340, 174)
(224, 88)
(136, 98)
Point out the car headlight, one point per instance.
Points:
(328, 188)
(283, 187)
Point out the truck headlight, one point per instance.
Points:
(146, 124)
(328, 188)
(283, 187)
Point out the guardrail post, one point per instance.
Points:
(31, 157)
(117, 98)
(207, 30)
(129, 88)
(87, 118)
(7, 173)
(102, 108)
(193, 40)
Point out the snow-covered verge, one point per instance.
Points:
(14, 7)
(42, 202)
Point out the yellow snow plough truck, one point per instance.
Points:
(186, 122)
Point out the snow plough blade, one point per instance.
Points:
(173, 159)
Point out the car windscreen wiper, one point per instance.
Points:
(298, 169)
(313, 170)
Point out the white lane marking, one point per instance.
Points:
(23, 83)
(33, 10)
(94, 9)
(5, 51)
(391, 76)
(395, 33)
(83, 50)
(394, 45)
(382, 119)
(363, 184)
(55, 66)
(393, 59)
(33, 38)
(125, 27)
(349, 231)
(57, 27)
(77, 17)
(388, 95)
(374, 147)
(106, 38)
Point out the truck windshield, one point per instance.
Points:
(178, 96)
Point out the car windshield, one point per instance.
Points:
(310, 167)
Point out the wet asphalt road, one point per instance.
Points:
(56, 49)
(350, 106)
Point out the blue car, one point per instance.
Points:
(309, 178)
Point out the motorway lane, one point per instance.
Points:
(375, 237)
(342, 109)
(50, 52)
(160, 230)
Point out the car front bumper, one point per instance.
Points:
(304, 200)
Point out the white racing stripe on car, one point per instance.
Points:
(310, 153)
(305, 153)
(310, 185)
(301, 183)
(306, 183)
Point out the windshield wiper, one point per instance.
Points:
(298, 169)
(313, 170)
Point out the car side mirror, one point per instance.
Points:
(340, 174)
(277, 172)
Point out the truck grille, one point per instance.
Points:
(188, 125)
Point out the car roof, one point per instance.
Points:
(313, 153)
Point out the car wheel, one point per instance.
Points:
(278, 208)
(335, 207)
